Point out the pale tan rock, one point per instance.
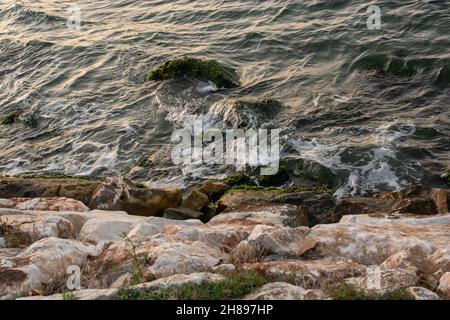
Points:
(444, 285)
(310, 273)
(30, 228)
(380, 281)
(419, 293)
(273, 215)
(285, 291)
(372, 244)
(84, 294)
(267, 240)
(50, 204)
(44, 262)
(224, 237)
(179, 280)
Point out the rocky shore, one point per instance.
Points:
(222, 240)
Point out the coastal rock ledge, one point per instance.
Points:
(113, 234)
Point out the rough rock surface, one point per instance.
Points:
(179, 280)
(419, 293)
(44, 204)
(310, 273)
(119, 194)
(444, 285)
(196, 200)
(85, 294)
(285, 291)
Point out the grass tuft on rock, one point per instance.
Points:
(350, 292)
(206, 70)
(233, 287)
(240, 179)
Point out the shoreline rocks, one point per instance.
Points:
(277, 235)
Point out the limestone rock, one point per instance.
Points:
(267, 240)
(179, 280)
(84, 294)
(385, 281)
(22, 230)
(285, 291)
(274, 215)
(444, 285)
(419, 293)
(119, 194)
(310, 273)
(372, 244)
(42, 263)
(44, 204)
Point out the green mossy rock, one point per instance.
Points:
(276, 180)
(206, 70)
(246, 113)
(240, 179)
(446, 177)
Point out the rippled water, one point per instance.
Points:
(371, 105)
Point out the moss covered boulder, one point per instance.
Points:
(246, 113)
(446, 177)
(206, 70)
(240, 179)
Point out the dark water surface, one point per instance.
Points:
(374, 106)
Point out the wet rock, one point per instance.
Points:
(419, 195)
(182, 214)
(195, 201)
(362, 206)
(85, 294)
(214, 190)
(44, 204)
(310, 273)
(240, 179)
(206, 70)
(285, 291)
(246, 113)
(444, 285)
(72, 188)
(416, 206)
(315, 207)
(267, 240)
(386, 281)
(419, 293)
(307, 173)
(180, 280)
(275, 215)
(120, 194)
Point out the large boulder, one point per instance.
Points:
(179, 280)
(310, 274)
(42, 264)
(444, 285)
(196, 200)
(285, 291)
(44, 204)
(372, 244)
(316, 207)
(273, 215)
(267, 240)
(120, 194)
(30, 187)
(420, 293)
(23, 230)
(205, 70)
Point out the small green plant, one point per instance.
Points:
(138, 274)
(233, 287)
(140, 185)
(69, 296)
